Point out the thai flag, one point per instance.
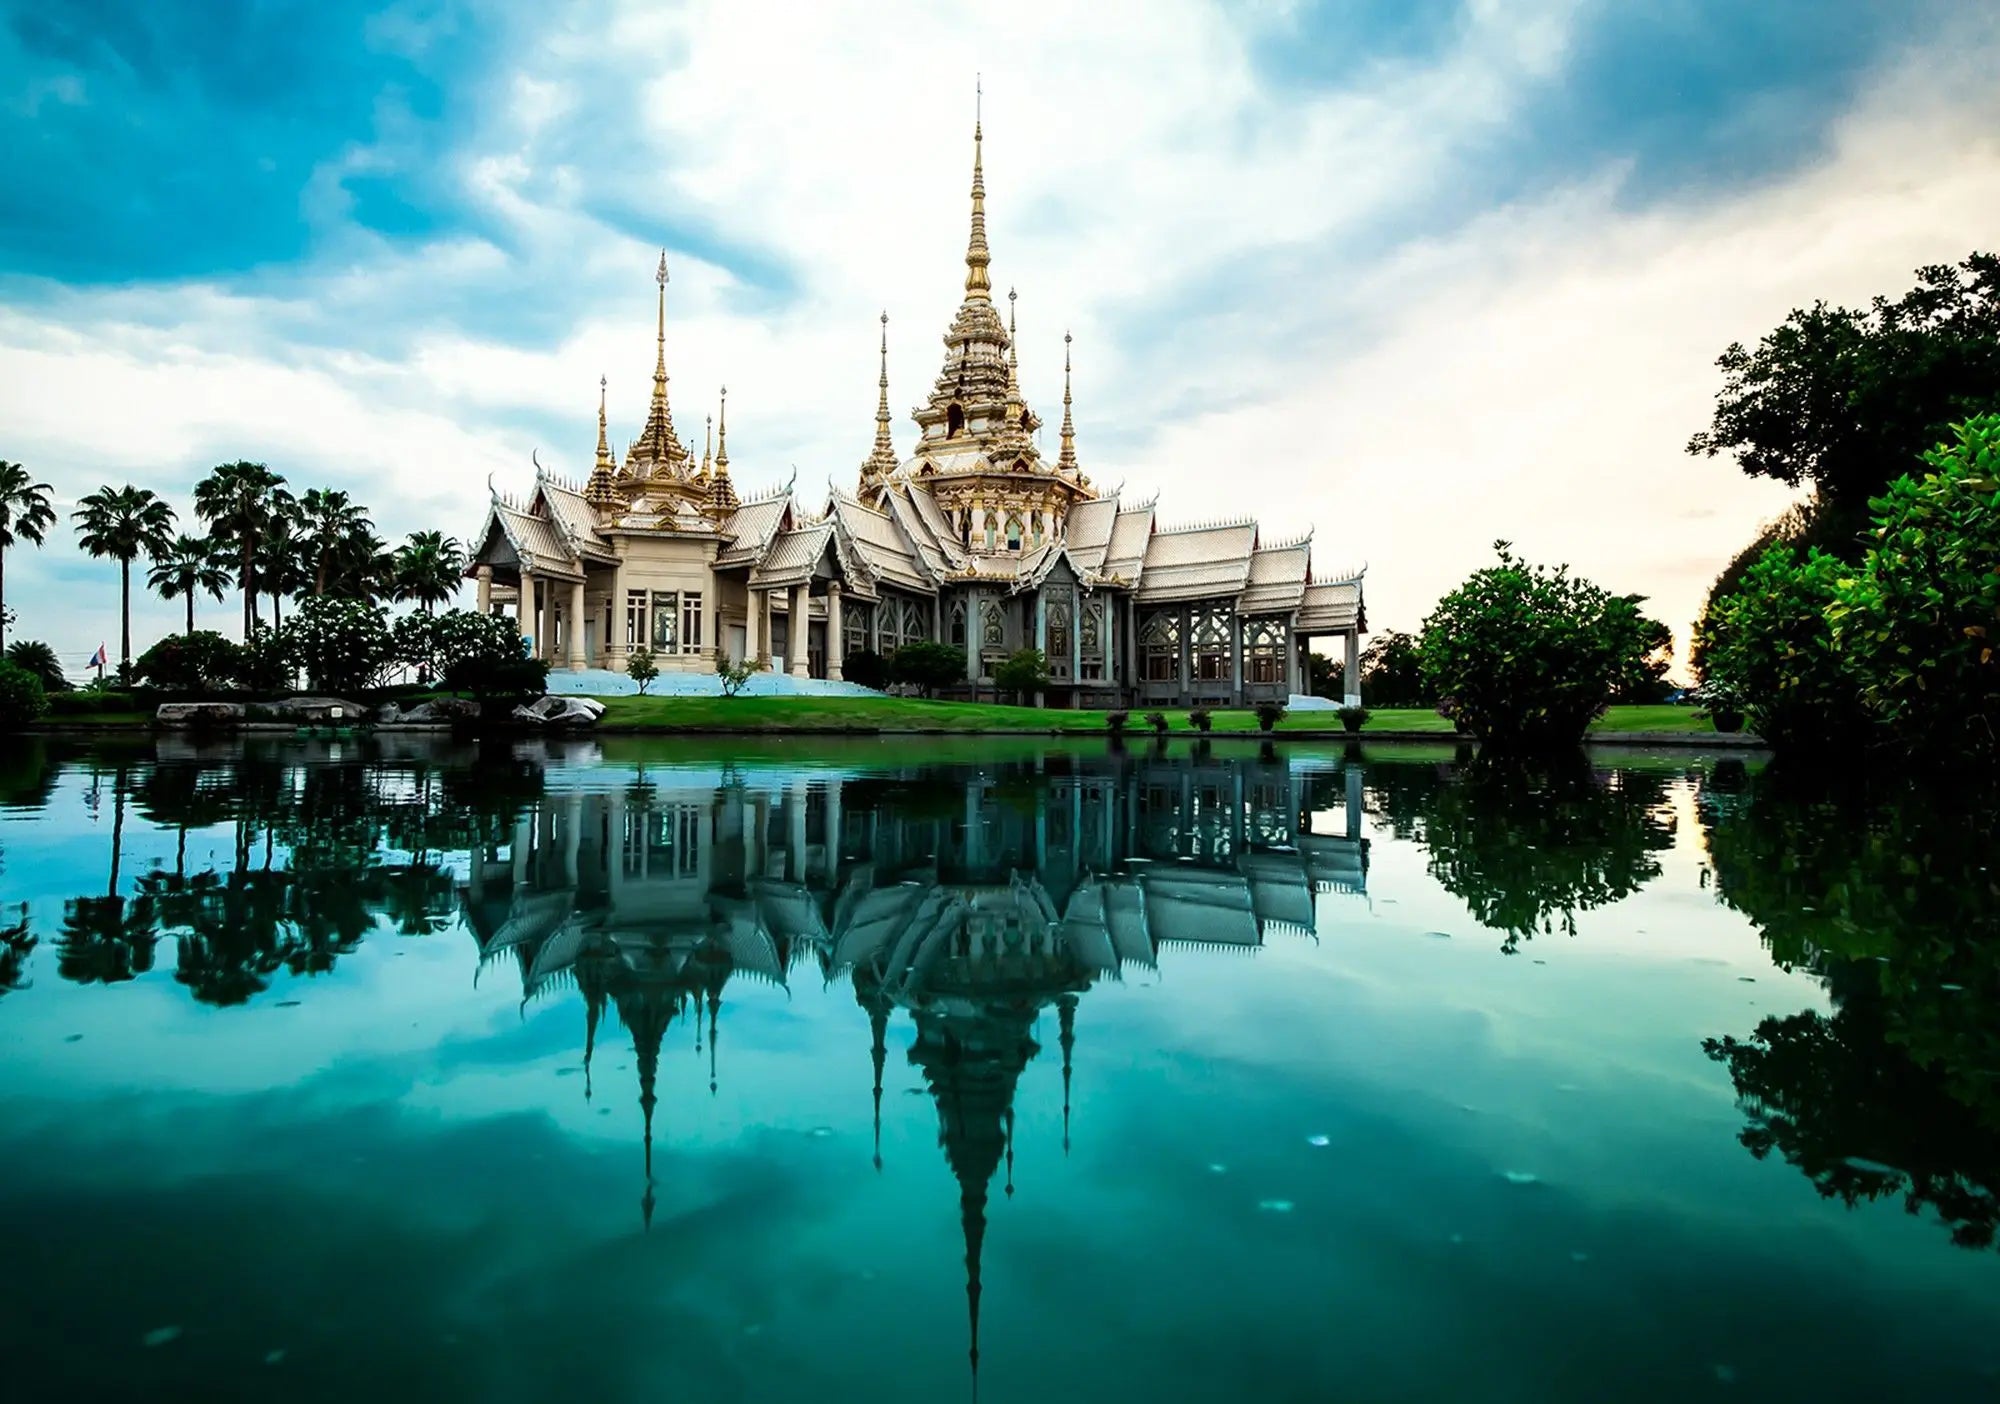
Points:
(97, 658)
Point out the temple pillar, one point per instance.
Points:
(1351, 670)
(1292, 654)
(972, 635)
(753, 625)
(575, 631)
(799, 631)
(485, 577)
(712, 645)
(524, 614)
(836, 643)
(1235, 657)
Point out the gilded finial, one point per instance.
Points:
(1066, 461)
(722, 435)
(977, 286)
(661, 276)
(658, 441)
(707, 442)
(881, 458)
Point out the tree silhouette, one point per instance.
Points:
(25, 515)
(123, 524)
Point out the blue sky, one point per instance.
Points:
(1417, 275)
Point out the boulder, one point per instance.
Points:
(199, 714)
(560, 712)
(311, 709)
(433, 712)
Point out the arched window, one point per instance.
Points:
(954, 422)
(1160, 648)
(1264, 641)
(1211, 646)
(992, 529)
(1035, 526)
(992, 628)
(958, 624)
(916, 622)
(1059, 626)
(1013, 533)
(1090, 640)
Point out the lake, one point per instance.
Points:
(914, 1070)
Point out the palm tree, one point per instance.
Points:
(34, 656)
(235, 499)
(25, 515)
(188, 567)
(333, 527)
(280, 557)
(121, 523)
(428, 568)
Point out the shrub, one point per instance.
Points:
(928, 666)
(266, 663)
(1526, 655)
(344, 645)
(481, 654)
(203, 661)
(1269, 714)
(1115, 722)
(22, 699)
(1919, 626)
(1157, 721)
(1201, 718)
(1771, 645)
(642, 669)
(1352, 718)
(1024, 671)
(734, 675)
(34, 656)
(867, 668)
(88, 701)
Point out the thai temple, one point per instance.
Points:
(982, 909)
(972, 538)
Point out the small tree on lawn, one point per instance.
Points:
(1024, 671)
(481, 654)
(344, 645)
(928, 666)
(642, 669)
(734, 674)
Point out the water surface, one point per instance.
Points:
(892, 1070)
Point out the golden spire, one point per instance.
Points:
(707, 442)
(721, 492)
(1066, 460)
(881, 459)
(1013, 359)
(658, 439)
(722, 436)
(598, 489)
(977, 288)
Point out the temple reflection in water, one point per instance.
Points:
(970, 901)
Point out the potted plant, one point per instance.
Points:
(1269, 714)
(1114, 722)
(1157, 721)
(1201, 719)
(1722, 703)
(1352, 718)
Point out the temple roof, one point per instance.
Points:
(792, 555)
(1278, 576)
(752, 526)
(1197, 563)
(878, 540)
(1333, 607)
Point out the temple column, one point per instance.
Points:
(1075, 646)
(485, 578)
(836, 643)
(797, 647)
(524, 614)
(712, 646)
(972, 636)
(753, 625)
(1235, 657)
(1187, 655)
(1041, 636)
(616, 651)
(1351, 673)
(575, 631)
(1292, 655)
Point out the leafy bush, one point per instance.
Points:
(1770, 645)
(1157, 721)
(466, 651)
(343, 644)
(22, 699)
(642, 669)
(34, 656)
(1201, 718)
(1525, 655)
(867, 668)
(1024, 671)
(1115, 722)
(928, 666)
(1352, 718)
(203, 661)
(88, 701)
(1269, 714)
(1392, 672)
(267, 664)
(1918, 627)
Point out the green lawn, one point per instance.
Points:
(910, 714)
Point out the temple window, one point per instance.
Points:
(1264, 641)
(1211, 646)
(854, 621)
(954, 422)
(958, 624)
(992, 628)
(635, 619)
(992, 529)
(690, 621)
(665, 637)
(916, 622)
(1013, 533)
(1059, 632)
(1090, 641)
(1160, 649)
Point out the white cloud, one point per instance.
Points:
(1532, 373)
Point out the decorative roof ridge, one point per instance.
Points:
(1288, 543)
(1345, 577)
(1139, 504)
(1218, 524)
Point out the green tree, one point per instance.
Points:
(1392, 672)
(34, 656)
(343, 645)
(237, 500)
(188, 567)
(25, 515)
(1023, 671)
(1644, 679)
(1526, 655)
(928, 666)
(203, 661)
(22, 699)
(329, 523)
(1845, 400)
(483, 654)
(1771, 645)
(642, 669)
(1918, 627)
(123, 523)
(281, 562)
(734, 675)
(428, 568)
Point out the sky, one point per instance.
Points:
(1416, 276)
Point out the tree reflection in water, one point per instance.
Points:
(1892, 901)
